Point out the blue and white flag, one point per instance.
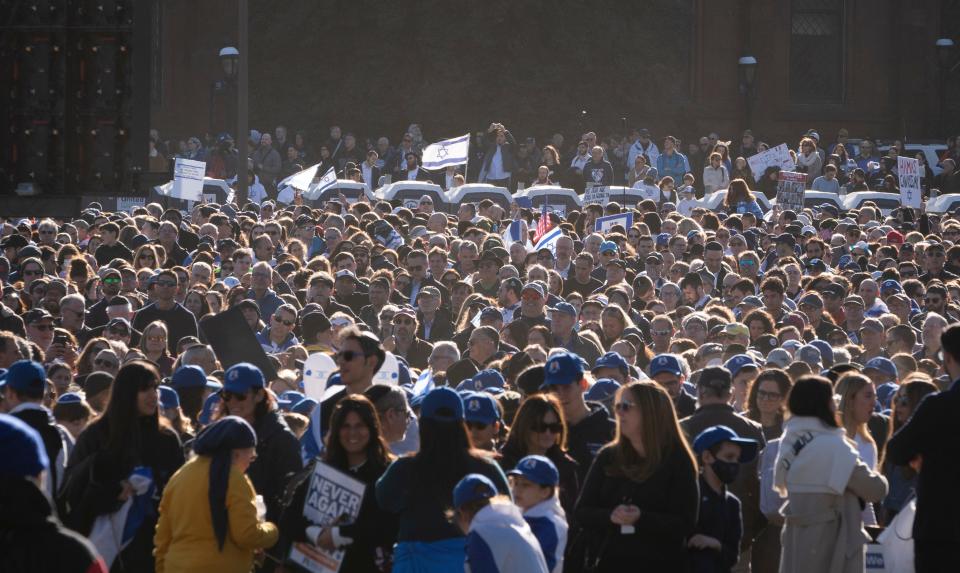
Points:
(514, 233)
(604, 224)
(424, 383)
(328, 180)
(447, 152)
(549, 241)
(112, 532)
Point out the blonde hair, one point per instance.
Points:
(847, 388)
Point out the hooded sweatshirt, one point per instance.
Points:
(500, 540)
(548, 522)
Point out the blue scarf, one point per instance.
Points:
(218, 441)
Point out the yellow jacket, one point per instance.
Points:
(185, 541)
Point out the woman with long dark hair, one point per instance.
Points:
(419, 487)
(355, 446)
(819, 471)
(129, 437)
(639, 501)
(244, 394)
(766, 400)
(739, 200)
(208, 514)
(540, 429)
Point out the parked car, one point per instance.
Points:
(887, 202)
(944, 203)
(408, 193)
(476, 192)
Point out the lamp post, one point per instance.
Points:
(747, 72)
(945, 48)
(242, 131)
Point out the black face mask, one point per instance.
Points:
(726, 471)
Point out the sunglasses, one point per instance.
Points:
(402, 322)
(228, 396)
(348, 355)
(660, 332)
(32, 273)
(284, 322)
(623, 406)
(105, 363)
(543, 427)
(169, 284)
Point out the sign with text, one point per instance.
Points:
(128, 204)
(909, 171)
(778, 156)
(790, 190)
(604, 224)
(596, 194)
(333, 498)
(188, 179)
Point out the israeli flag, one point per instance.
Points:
(515, 234)
(424, 383)
(604, 224)
(447, 152)
(328, 180)
(112, 532)
(549, 241)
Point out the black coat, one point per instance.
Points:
(931, 433)
(373, 532)
(278, 458)
(668, 501)
(93, 481)
(33, 539)
(586, 437)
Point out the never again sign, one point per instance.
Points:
(333, 498)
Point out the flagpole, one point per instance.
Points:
(466, 166)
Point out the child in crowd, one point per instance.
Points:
(715, 545)
(498, 539)
(534, 486)
(688, 196)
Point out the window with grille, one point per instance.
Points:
(816, 50)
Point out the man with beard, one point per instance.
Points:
(582, 282)
(405, 342)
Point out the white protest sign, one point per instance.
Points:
(316, 369)
(333, 497)
(778, 156)
(791, 188)
(596, 194)
(560, 210)
(188, 179)
(389, 373)
(604, 224)
(128, 204)
(909, 171)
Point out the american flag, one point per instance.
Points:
(543, 225)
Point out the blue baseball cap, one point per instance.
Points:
(169, 399)
(609, 246)
(25, 376)
(189, 376)
(538, 469)
(241, 378)
(826, 351)
(480, 407)
(563, 368)
(752, 300)
(602, 389)
(884, 365)
(472, 488)
(304, 406)
(442, 405)
(739, 362)
(69, 398)
(209, 405)
(666, 363)
(24, 454)
(718, 434)
(286, 400)
(566, 308)
(483, 381)
(891, 286)
(663, 239)
(612, 360)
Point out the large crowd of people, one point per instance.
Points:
(704, 390)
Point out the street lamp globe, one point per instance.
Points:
(945, 47)
(748, 70)
(230, 60)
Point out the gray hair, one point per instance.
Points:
(448, 346)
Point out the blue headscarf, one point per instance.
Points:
(218, 441)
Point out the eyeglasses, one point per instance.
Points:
(284, 322)
(544, 427)
(168, 284)
(348, 355)
(105, 363)
(660, 332)
(623, 406)
(48, 232)
(426, 202)
(769, 396)
(229, 396)
(531, 296)
(43, 327)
